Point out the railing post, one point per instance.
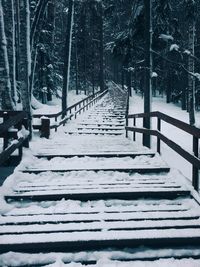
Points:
(5, 139)
(158, 139)
(70, 112)
(26, 141)
(56, 119)
(195, 170)
(45, 128)
(134, 124)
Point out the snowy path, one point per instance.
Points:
(90, 196)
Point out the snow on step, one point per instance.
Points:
(90, 132)
(99, 206)
(104, 258)
(87, 163)
(77, 240)
(86, 144)
(100, 128)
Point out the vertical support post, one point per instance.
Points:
(134, 124)
(5, 139)
(148, 70)
(45, 128)
(26, 142)
(56, 119)
(20, 152)
(195, 170)
(126, 126)
(158, 139)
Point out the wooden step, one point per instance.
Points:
(100, 128)
(102, 124)
(155, 223)
(95, 132)
(134, 169)
(75, 241)
(51, 154)
(85, 195)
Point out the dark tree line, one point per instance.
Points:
(48, 47)
(42, 58)
(175, 48)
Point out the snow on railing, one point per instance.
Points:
(14, 132)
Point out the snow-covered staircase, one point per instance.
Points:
(90, 195)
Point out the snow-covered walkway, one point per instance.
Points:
(90, 196)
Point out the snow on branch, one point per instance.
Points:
(174, 47)
(166, 37)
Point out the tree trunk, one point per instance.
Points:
(76, 65)
(66, 69)
(40, 9)
(50, 48)
(5, 82)
(148, 70)
(101, 74)
(8, 7)
(17, 39)
(191, 81)
(25, 66)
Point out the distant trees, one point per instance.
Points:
(175, 48)
(107, 42)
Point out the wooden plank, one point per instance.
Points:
(161, 193)
(98, 226)
(183, 204)
(49, 154)
(64, 242)
(97, 186)
(134, 169)
(95, 132)
(93, 216)
(102, 128)
(101, 123)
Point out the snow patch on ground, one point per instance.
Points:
(54, 106)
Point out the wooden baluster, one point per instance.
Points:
(195, 170)
(5, 139)
(56, 119)
(45, 128)
(26, 141)
(134, 124)
(158, 139)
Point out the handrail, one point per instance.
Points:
(45, 122)
(192, 130)
(69, 108)
(175, 122)
(12, 121)
(15, 120)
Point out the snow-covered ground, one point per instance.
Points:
(175, 134)
(54, 106)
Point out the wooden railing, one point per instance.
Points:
(72, 111)
(195, 132)
(13, 131)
